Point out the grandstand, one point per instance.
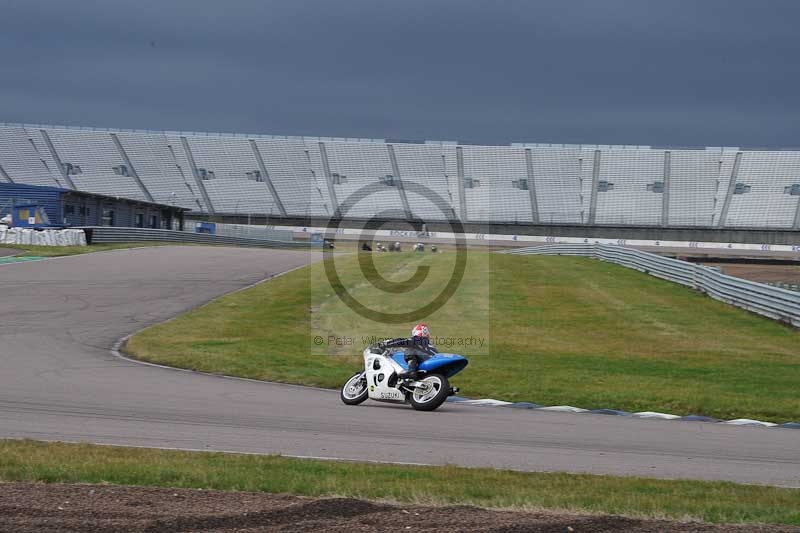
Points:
(311, 177)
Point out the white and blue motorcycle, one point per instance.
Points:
(378, 381)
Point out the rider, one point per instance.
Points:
(419, 345)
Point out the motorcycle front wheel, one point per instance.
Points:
(355, 390)
(431, 395)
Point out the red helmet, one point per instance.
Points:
(420, 330)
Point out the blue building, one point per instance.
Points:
(82, 209)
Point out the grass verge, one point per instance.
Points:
(709, 501)
(561, 330)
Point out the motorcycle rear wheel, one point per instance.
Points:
(355, 390)
(432, 397)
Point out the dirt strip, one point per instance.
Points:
(759, 272)
(29, 507)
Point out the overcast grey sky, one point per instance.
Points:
(678, 73)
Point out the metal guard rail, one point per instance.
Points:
(766, 300)
(105, 235)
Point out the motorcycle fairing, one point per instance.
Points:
(379, 370)
(448, 364)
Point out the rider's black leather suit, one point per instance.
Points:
(415, 349)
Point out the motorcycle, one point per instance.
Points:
(378, 381)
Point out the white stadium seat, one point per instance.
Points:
(310, 177)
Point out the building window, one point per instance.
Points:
(69, 209)
(471, 183)
(139, 220)
(121, 170)
(793, 190)
(254, 175)
(71, 170)
(205, 174)
(153, 221)
(604, 186)
(108, 217)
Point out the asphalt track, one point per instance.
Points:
(58, 381)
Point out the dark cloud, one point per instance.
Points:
(613, 72)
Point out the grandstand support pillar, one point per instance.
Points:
(531, 186)
(401, 189)
(452, 213)
(4, 175)
(665, 193)
(462, 194)
(263, 169)
(198, 180)
(323, 153)
(315, 180)
(595, 185)
(57, 159)
(731, 187)
(128, 162)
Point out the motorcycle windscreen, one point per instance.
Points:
(400, 359)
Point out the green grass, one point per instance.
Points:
(561, 330)
(58, 251)
(709, 501)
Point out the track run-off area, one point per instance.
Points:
(59, 319)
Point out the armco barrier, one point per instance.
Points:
(773, 302)
(245, 232)
(104, 234)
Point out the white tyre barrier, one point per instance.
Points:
(48, 237)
